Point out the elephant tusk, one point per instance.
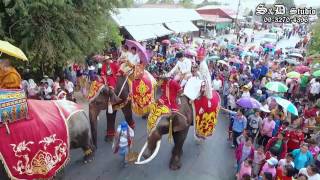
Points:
(156, 151)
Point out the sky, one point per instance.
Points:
(253, 3)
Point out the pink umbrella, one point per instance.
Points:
(302, 69)
(178, 46)
(166, 41)
(190, 52)
(235, 60)
(270, 46)
(140, 50)
(98, 57)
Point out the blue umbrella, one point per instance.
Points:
(287, 105)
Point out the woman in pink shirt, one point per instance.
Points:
(266, 129)
(270, 167)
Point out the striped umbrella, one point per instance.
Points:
(287, 105)
(276, 87)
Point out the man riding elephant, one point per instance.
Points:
(109, 72)
(9, 77)
(132, 60)
(182, 70)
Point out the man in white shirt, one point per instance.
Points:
(47, 90)
(69, 86)
(217, 83)
(310, 172)
(47, 79)
(206, 77)
(182, 70)
(315, 88)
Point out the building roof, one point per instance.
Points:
(226, 9)
(215, 18)
(137, 16)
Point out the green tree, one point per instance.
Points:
(287, 3)
(186, 3)
(206, 3)
(167, 1)
(53, 32)
(314, 47)
(153, 1)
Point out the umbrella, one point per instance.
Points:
(287, 105)
(140, 50)
(292, 61)
(223, 62)
(249, 102)
(297, 55)
(212, 58)
(235, 60)
(270, 46)
(98, 57)
(166, 41)
(293, 74)
(302, 69)
(11, 50)
(190, 52)
(174, 40)
(316, 73)
(276, 87)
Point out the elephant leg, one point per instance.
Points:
(110, 133)
(127, 111)
(93, 116)
(179, 139)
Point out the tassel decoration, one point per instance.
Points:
(170, 135)
(110, 110)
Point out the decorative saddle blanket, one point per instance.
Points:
(205, 113)
(13, 105)
(95, 89)
(39, 147)
(157, 110)
(142, 93)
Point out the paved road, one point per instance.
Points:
(213, 160)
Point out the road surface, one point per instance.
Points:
(213, 160)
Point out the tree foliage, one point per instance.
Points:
(52, 32)
(186, 3)
(314, 47)
(287, 3)
(207, 3)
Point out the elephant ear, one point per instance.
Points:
(179, 122)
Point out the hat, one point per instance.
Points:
(306, 74)
(272, 161)
(106, 57)
(124, 125)
(45, 76)
(259, 91)
(179, 55)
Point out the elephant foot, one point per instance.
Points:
(175, 162)
(108, 139)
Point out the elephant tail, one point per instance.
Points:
(154, 154)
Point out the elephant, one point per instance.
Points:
(80, 137)
(181, 121)
(119, 96)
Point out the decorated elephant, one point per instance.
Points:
(129, 95)
(38, 144)
(201, 113)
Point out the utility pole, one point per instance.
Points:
(236, 21)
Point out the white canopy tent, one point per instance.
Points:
(182, 27)
(148, 23)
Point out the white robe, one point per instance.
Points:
(205, 76)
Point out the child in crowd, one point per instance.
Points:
(258, 160)
(246, 168)
(270, 167)
(287, 161)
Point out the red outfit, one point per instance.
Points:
(108, 74)
(310, 112)
(282, 177)
(170, 90)
(292, 135)
(238, 152)
(283, 152)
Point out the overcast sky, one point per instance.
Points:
(253, 3)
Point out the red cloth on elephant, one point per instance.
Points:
(108, 73)
(170, 90)
(310, 112)
(38, 147)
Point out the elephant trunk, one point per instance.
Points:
(154, 154)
